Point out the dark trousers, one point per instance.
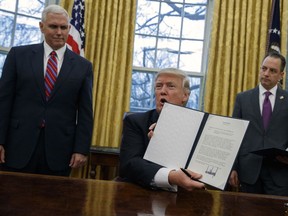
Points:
(38, 162)
(264, 184)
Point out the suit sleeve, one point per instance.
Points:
(7, 89)
(133, 146)
(85, 114)
(237, 114)
(237, 108)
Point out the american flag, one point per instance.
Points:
(76, 37)
(274, 40)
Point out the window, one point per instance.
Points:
(168, 33)
(19, 24)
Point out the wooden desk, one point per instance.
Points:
(106, 158)
(29, 195)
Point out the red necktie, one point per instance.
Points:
(51, 74)
(267, 110)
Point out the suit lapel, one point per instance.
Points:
(256, 107)
(38, 67)
(279, 101)
(255, 103)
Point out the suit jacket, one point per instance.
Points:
(248, 164)
(23, 107)
(134, 143)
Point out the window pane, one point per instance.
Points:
(147, 19)
(167, 53)
(144, 51)
(6, 27)
(175, 1)
(191, 55)
(27, 31)
(142, 93)
(193, 101)
(2, 59)
(193, 29)
(8, 5)
(196, 1)
(31, 7)
(170, 20)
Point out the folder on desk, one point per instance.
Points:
(271, 152)
(204, 143)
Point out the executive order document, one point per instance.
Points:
(202, 142)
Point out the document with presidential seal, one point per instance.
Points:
(204, 143)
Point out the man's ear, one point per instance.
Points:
(185, 97)
(41, 26)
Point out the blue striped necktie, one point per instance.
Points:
(51, 74)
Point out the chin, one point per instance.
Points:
(159, 109)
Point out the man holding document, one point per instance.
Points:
(266, 106)
(171, 85)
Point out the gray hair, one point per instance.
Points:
(178, 73)
(54, 9)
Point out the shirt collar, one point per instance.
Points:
(60, 52)
(262, 90)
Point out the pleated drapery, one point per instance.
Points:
(109, 27)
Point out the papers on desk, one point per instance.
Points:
(202, 142)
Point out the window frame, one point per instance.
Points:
(201, 74)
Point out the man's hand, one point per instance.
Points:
(78, 160)
(2, 154)
(233, 180)
(182, 180)
(151, 128)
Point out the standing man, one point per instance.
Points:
(46, 103)
(258, 174)
(171, 85)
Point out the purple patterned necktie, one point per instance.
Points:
(267, 110)
(51, 74)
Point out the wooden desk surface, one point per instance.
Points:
(24, 194)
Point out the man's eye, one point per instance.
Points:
(263, 68)
(53, 26)
(56, 27)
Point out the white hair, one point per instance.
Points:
(54, 9)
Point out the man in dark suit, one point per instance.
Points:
(46, 130)
(258, 174)
(171, 85)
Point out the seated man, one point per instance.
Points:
(171, 85)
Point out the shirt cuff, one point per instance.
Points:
(161, 180)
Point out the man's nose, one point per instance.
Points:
(163, 90)
(58, 30)
(267, 72)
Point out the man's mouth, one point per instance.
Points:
(163, 100)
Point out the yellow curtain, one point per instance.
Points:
(237, 47)
(109, 27)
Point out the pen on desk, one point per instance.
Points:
(188, 174)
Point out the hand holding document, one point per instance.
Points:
(204, 143)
